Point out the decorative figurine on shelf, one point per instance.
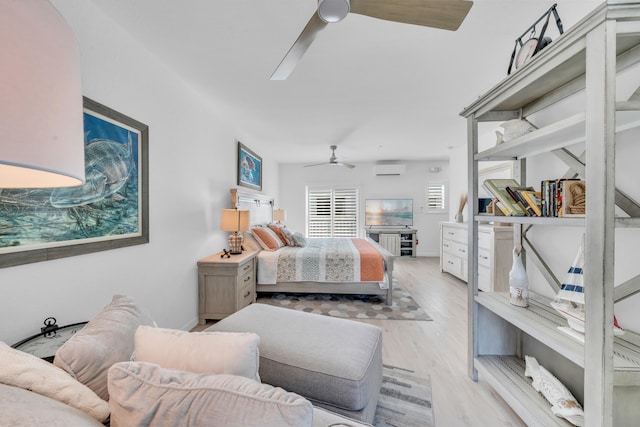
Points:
(513, 129)
(518, 281)
(564, 405)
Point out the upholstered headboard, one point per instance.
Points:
(260, 206)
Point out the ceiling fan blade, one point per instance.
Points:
(443, 14)
(348, 165)
(295, 53)
(317, 164)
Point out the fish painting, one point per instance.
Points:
(108, 165)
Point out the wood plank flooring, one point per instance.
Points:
(439, 347)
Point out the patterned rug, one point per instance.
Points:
(404, 307)
(405, 399)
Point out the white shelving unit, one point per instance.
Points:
(604, 372)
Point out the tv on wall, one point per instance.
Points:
(388, 212)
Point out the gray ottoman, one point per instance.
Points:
(335, 363)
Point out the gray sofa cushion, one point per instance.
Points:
(335, 363)
(19, 407)
(105, 340)
(144, 394)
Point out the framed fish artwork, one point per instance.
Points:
(109, 211)
(249, 168)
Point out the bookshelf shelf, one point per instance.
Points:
(604, 371)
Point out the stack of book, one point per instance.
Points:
(557, 198)
(563, 197)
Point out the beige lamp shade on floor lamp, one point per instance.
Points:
(41, 116)
(235, 221)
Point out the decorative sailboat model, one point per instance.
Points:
(569, 301)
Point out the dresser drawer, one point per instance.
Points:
(455, 234)
(484, 257)
(447, 245)
(484, 279)
(459, 250)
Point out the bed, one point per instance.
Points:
(354, 258)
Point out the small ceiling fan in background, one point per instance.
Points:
(333, 160)
(443, 14)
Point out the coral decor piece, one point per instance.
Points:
(513, 129)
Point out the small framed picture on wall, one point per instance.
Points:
(249, 168)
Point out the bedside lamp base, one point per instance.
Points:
(235, 243)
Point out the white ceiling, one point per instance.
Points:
(379, 90)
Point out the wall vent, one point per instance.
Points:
(390, 169)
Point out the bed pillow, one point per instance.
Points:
(26, 371)
(144, 394)
(250, 243)
(267, 238)
(299, 239)
(105, 340)
(234, 353)
(279, 230)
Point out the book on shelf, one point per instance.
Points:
(516, 194)
(554, 193)
(533, 200)
(498, 188)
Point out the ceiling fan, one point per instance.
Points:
(443, 14)
(333, 160)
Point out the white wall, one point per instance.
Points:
(294, 178)
(192, 152)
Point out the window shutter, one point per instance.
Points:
(436, 197)
(332, 212)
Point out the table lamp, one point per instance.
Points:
(235, 220)
(279, 215)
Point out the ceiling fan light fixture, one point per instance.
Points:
(331, 11)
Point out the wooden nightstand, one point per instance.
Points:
(225, 285)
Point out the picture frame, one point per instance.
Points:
(249, 168)
(110, 211)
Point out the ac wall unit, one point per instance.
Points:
(390, 169)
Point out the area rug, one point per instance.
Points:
(405, 399)
(404, 307)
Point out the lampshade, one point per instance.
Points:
(279, 215)
(41, 117)
(331, 11)
(234, 220)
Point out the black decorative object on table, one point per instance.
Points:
(534, 44)
(51, 337)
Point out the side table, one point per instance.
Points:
(225, 285)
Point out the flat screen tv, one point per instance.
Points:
(388, 212)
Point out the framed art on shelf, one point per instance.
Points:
(249, 168)
(109, 211)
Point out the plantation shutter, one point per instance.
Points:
(436, 197)
(332, 212)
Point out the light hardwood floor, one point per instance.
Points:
(439, 347)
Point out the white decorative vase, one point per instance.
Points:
(459, 217)
(518, 282)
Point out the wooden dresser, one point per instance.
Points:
(225, 285)
(495, 244)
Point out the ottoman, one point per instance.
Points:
(334, 363)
